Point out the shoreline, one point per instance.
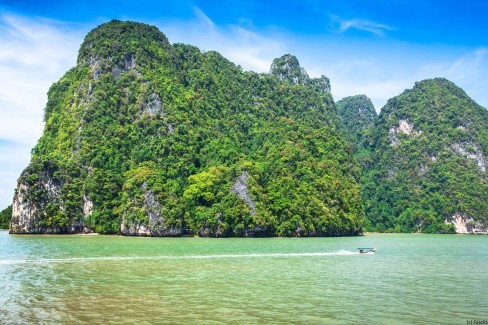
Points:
(196, 236)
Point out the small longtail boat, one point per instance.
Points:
(367, 250)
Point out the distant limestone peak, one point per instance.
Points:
(358, 108)
(358, 115)
(288, 68)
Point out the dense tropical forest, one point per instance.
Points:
(144, 137)
(5, 216)
(428, 162)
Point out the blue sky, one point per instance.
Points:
(377, 48)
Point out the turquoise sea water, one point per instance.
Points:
(412, 279)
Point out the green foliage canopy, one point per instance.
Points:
(429, 150)
(143, 134)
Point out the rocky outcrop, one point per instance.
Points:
(428, 161)
(404, 126)
(98, 65)
(144, 138)
(152, 224)
(87, 206)
(472, 152)
(152, 105)
(464, 224)
(23, 213)
(288, 68)
(31, 213)
(129, 228)
(241, 190)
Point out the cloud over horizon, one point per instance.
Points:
(34, 54)
(341, 25)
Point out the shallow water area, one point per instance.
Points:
(412, 279)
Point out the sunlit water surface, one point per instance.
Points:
(412, 279)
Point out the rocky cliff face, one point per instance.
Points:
(37, 204)
(241, 190)
(153, 222)
(147, 138)
(464, 224)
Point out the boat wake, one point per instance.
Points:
(169, 257)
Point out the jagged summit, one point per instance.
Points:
(288, 68)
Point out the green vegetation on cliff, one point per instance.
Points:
(430, 147)
(147, 138)
(144, 137)
(5, 216)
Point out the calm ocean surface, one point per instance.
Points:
(412, 279)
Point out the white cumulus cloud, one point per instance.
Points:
(34, 53)
(342, 25)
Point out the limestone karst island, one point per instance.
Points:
(145, 137)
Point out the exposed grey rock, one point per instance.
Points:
(241, 190)
(27, 215)
(153, 207)
(130, 63)
(85, 104)
(471, 151)
(392, 137)
(95, 67)
(23, 212)
(116, 71)
(257, 231)
(464, 224)
(323, 83)
(100, 64)
(288, 68)
(404, 126)
(87, 206)
(90, 89)
(153, 105)
(422, 169)
(155, 223)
